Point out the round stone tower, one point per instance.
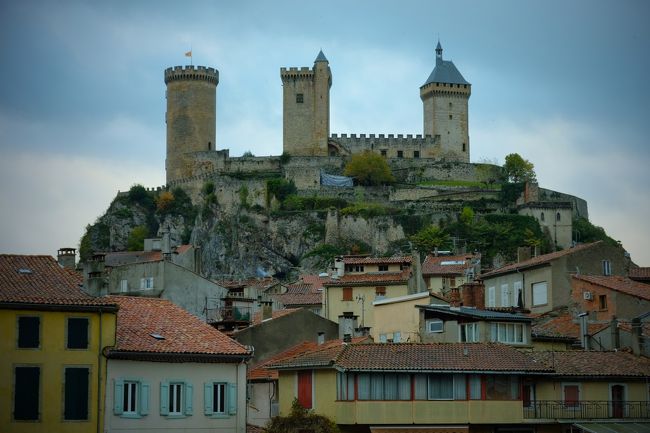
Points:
(191, 116)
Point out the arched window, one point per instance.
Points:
(557, 216)
(541, 217)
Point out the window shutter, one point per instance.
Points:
(189, 394)
(164, 398)
(207, 398)
(232, 399)
(144, 398)
(118, 396)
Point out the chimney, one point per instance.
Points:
(267, 309)
(166, 247)
(418, 270)
(636, 336)
(523, 253)
(454, 297)
(66, 258)
(472, 295)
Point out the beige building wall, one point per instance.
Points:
(446, 115)
(196, 374)
(557, 222)
(260, 402)
(399, 315)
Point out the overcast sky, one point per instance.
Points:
(82, 97)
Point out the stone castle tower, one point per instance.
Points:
(190, 117)
(306, 108)
(444, 96)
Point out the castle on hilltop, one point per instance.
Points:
(191, 122)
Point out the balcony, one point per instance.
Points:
(587, 409)
(229, 314)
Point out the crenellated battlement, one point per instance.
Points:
(296, 73)
(446, 89)
(379, 140)
(200, 73)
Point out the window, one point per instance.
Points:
(124, 286)
(220, 399)
(26, 393)
(501, 387)
(557, 216)
(400, 154)
(469, 332)
(345, 386)
(416, 154)
(435, 325)
(464, 147)
(77, 333)
(382, 338)
(602, 302)
(383, 152)
(397, 337)
(451, 117)
(29, 330)
(571, 394)
(176, 398)
(347, 293)
(146, 283)
(540, 296)
(300, 98)
(518, 300)
(354, 268)
(384, 386)
(382, 268)
(607, 267)
(130, 398)
(491, 301)
(76, 393)
(541, 216)
(512, 333)
(474, 387)
(505, 295)
(380, 291)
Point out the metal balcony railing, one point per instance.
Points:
(586, 409)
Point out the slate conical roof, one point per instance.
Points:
(445, 71)
(321, 57)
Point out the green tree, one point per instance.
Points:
(430, 238)
(301, 419)
(136, 238)
(518, 169)
(369, 168)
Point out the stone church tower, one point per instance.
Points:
(306, 108)
(444, 98)
(191, 116)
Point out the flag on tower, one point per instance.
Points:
(188, 54)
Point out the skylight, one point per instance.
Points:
(24, 271)
(452, 262)
(157, 336)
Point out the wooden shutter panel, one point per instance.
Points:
(232, 398)
(189, 394)
(164, 398)
(207, 398)
(144, 398)
(118, 396)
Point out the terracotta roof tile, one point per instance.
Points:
(39, 279)
(619, 284)
(357, 260)
(295, 299)
(417, 357)
(388, 278)
(561, 325)
(539, 260)
(641, 273)
(594, 363)
(183, 333)
(315, 280)
(433, 265)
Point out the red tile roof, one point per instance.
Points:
(492, 357)
(561, 324)
(360, 260)
(40, 280)
(315, 280)
(433, 265)
(297, 299)
(182, 332)
(539, 260)
(640, 274)
(373, 278)
(594, 363)
(619, 284)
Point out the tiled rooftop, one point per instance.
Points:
(140, 320)
(39, 279)
(119, 258)
(619, 284)
(539, 260)
(356, 260)
(447, 265)
(640, 274)
(387, 278)
(594, 363)
(561, 324)
(296, 299)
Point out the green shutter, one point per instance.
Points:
(118, 396)
(189, 395)
(207, 398)
(164, 398)
(144, 398)
(232, 399)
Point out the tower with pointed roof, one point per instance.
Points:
(445, 97)
(306, 108)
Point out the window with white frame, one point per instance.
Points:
(397, 337)
(468, 332)
(124, 286)
(607, 267)
(435, 325)
(512, 333)
(505, 295)
(146, 283)
(176, 398)
(491, 298)
(220, 399)
(130, 398)
(540, 293)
